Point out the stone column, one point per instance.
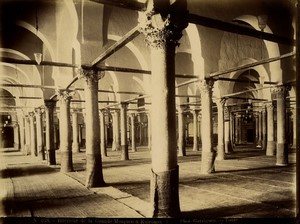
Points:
(27, 135)
(264, 128)
(282, 147)
(16, 136)
(232, 129)
(22, 133)
(116, 134)
(39, 134)
(181, 131)
(65, 147)
(102, 133)
(149, 130)
(221, 146)
(75, 143)
(259, 142)
(256, 129)
(237, 128)
(271, 147)
(195, 124)
(294, 129)
(49, 109)
(94, 174)
(228, 145)
(133, 147)
(162, 35)
(208, 153)
(124, 144)
(32, 135)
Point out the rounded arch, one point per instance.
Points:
(195, 42)
(272, 48)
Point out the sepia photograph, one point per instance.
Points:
(149, 111)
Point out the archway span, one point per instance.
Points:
(272, 48)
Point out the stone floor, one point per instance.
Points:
(246, 185)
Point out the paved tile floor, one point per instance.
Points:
(246, 185)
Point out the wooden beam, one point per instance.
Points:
(33, 62)
(239, 29)
(244, 81)
(27, 86)
(117, 45)
(243, 67)
(127, 4)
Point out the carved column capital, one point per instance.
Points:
(90, 74)
(31, 114)
(161, 29)
(280, 91)
(270, 106)
(220, 102)
(50, 104)
(65, 94)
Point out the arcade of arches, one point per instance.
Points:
(171, 77)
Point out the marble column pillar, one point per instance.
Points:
(75, 131)
(208, 154)
(259, 142)
(195, 125)
(149, 130)
(282, 147)
(264, 128)
(66, 160)
(116, 131)
(49, 110)
(22, 133)
(271, 147)
(162, 37)
(221, 146)
(256, 129)
(181, 131)
(94, 173)
(124, 143)
(294, 129)
(132, 127)
(39, 134)
(102, 133)
(237, 128)
(228, 145)
(16, 136)
(27, 135)
(232, 129)
(33, 147)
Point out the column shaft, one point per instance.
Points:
(49, 109)
(116, 133)
(75, 143)
(39, 134)
(133, 146)
(65, 131)
(27, 135)
(228, 145)
(32, 135)
(264, 128)
(271, 148)
(259, 143)
(181, 132)
(16, 137)
(94, 174)
(208, 154)
(221, 146)
(124, 144)
(102, 133)
(195, 124)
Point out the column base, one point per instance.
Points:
(282, 154)
(228, 147)
(195, 148)
(27, 149)
(271, 148)
(103, 150)
(264, 144)
(94, 174)
(220, 153)
(66, 163)
(124, 152)
(16, 146)
(133, 149)
(51, 157)
(75, 148)
(181, 150)
(41, 154)
(208, 162)
(164, 194)
(259, 144)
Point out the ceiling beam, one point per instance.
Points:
(127, 4)
(239, 29)
(117, 45)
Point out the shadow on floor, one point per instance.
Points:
(25, 171)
